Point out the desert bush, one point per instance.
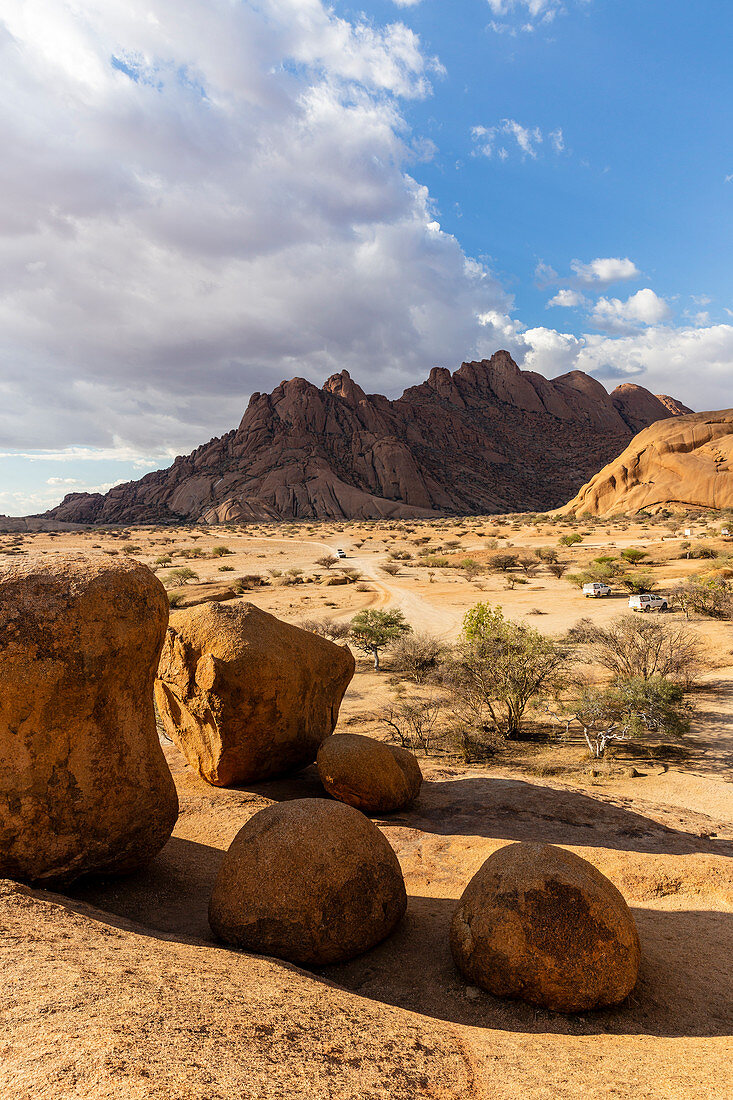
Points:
(547, 554)
(711, 596)
(220, 551)
(374, 630)
(178, 577)
(327, 561)
(528, 564)
(638, 647)
(634, 556)
(497, 669)
(175, 599)
(326, 628)
(557, 568)
(415, 724)
(417, 654)
(624, 710)
(392, 568)
(570, 540)
(641, 582)
(502, 563)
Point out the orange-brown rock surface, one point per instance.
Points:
(541, 924)
(247, 696)
(84, 786)
(487, 438)
(687, 460)
(375, 777)
(310, 881)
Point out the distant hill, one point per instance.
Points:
(687, 460)
(487, 438)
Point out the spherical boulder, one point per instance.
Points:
(84, 785)
(541, 924)
(246, 696)
(311, 881)
(368, 774)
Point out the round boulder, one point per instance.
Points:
(368, 774)
(545, 926)
(84, 785)
(311, 881)
(246, 696)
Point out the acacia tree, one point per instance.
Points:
(327, 561)
(634, 646)
(499, 668)
(373, 630)
(624, 710)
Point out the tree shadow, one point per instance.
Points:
(516, 809)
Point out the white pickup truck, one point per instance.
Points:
(646, 602)
(596, 589)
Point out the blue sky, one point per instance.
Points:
(642, 91)
(201, 198)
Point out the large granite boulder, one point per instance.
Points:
(84, 786)
(246, 696)
(311, 881)
(541, 924)
(368, 774)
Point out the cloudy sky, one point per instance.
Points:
(199, 198)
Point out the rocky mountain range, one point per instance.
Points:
(486, 438)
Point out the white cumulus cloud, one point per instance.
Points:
(569, 299)
(605, 270)
(643, 308)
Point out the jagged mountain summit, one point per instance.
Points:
(487, 438)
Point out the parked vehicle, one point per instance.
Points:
(596, 589)
(646, 602)
(340, 553)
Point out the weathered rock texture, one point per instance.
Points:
(488, 438)
(368, 774)
(84, 786)
(541, 924)
(310, 881)
(684, 461)
(246, 696)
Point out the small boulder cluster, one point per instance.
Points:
(85, 787)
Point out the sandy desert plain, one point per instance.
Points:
(123, 992)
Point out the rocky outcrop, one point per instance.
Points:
(246, 696)
(310, 881)
(487, 438)
(541, 924)
(368, 774)
(84, 786)
(685, 461)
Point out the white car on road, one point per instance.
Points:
(340, 553)
(646, 602)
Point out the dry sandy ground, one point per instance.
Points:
(116, 990)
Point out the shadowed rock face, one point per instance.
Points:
(487, 438)
(84, 786)
(687, 460)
